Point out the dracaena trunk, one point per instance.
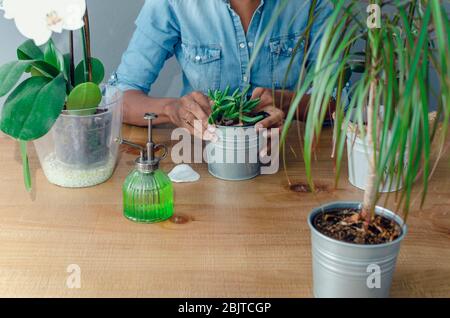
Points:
(371, 191)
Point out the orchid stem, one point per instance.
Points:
(72, 59)
(86, 37)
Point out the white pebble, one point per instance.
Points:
(69, 176)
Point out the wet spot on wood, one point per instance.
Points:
(305, 188)
(180, 219)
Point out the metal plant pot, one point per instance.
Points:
(345, 270)
(234, 156)
(358, 153)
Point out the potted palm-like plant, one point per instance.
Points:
(72, 118)
(234, 155)
(389, 110)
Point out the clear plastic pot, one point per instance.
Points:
(80, 150)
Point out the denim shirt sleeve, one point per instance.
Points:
(154, 41)
(322, 12)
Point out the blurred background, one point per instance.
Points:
(112, 27)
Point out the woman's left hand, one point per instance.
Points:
(275, 119)
(267, 104)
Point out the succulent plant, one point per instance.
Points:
(234, 109)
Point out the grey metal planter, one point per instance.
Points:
(235, 155)
(344, 270)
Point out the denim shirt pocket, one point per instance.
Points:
(202, 65)
(283, 50)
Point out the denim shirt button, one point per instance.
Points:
(242, 45)
(250, 44)
(198, 58)
(245, 78)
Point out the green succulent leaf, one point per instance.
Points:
(250, 105)
(252, 120)
(33, 107)
(227, 90)
(98, 72)
(29, 51)
(84, 99)
(236, 93)
(233, 116)
(232, 108)
(10, 74)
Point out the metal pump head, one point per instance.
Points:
(147, 161)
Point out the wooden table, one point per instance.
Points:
(230, 239)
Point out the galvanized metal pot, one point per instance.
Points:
(234, 156)
(345, 270)
(358, 164)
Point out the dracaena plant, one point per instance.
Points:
(52, 82)
(411, 41)
(234, 109)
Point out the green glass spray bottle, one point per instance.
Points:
(148, 191)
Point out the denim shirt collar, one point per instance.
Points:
(228, 2)
(261, 5)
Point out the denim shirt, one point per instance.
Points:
(210, 44)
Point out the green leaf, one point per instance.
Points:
(67, 58)
(53, 57)
(250, 105)
(44, 69)
(33, 107)
(36, 72)
(10, 74)
(250, 120)
(98, 72)
(84, 99)
(29, 51)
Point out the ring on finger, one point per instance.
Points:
(189, 119)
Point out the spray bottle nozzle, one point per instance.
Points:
(147, 160)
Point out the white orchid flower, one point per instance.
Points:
(37, 19)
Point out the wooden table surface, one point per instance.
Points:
(235, 239)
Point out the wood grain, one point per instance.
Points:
(244, 239)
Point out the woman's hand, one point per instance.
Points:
(268, 105)
(275, 119)
(185, 111)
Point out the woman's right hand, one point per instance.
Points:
(185, 111)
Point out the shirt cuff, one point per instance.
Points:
(125, 85)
